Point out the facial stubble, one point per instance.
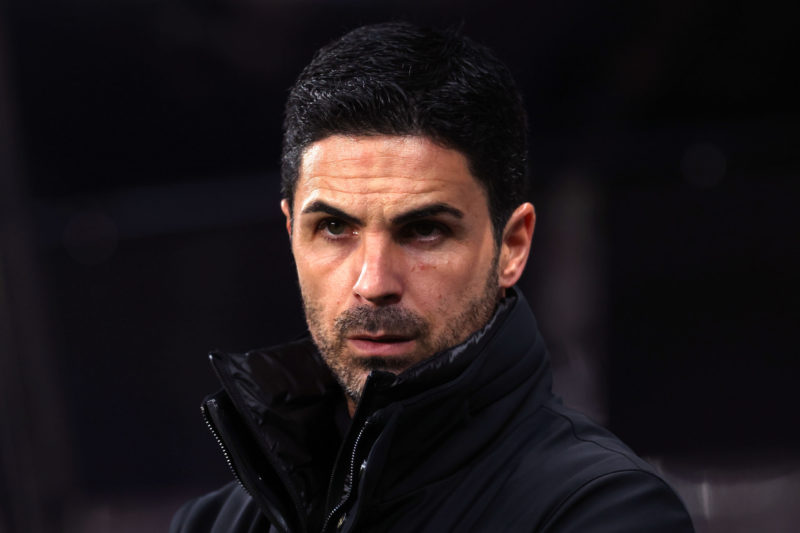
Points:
(351, 371)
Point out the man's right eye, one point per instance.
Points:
(332, 227)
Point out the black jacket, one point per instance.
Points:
(471, 439)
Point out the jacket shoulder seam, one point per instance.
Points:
(598, 444)
(596, 478)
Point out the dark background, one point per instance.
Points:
(140, 229)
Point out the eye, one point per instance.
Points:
(425, 231)
(333, 228)
(424, 228)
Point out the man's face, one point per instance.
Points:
(394, 250)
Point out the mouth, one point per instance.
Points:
(381, 345)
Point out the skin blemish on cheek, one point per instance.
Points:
(421, 267)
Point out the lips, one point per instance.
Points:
(381, 345)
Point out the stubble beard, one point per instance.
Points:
(351, 371)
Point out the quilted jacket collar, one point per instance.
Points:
(289, 403)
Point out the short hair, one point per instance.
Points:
(399, 79)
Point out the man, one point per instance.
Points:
(422, 400)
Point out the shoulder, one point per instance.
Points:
(594, 482)
(229, 509)
(620, 501)
(580, 444)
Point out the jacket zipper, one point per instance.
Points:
(222, 447)
(341, 503)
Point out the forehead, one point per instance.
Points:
(403, 168)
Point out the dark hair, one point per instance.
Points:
(398, 79)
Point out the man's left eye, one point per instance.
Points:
(424, 230)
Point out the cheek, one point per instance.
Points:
(323, 285)
(439, 283)
(453, 280)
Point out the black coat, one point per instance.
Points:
(471, 439)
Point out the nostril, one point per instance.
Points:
(390, 299)
(384, 299)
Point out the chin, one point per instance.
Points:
(394, 364)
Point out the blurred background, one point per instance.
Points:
(139, 228)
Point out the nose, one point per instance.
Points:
(379, 280)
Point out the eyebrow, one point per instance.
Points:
(425, 212)
(319, 206)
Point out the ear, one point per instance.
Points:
(516, 245)
(288, 214)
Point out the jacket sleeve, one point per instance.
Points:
(621, 502)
